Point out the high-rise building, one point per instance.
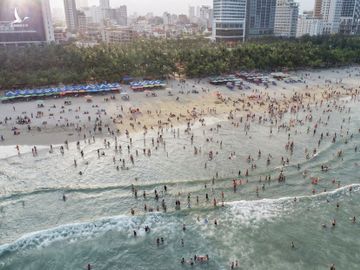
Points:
(286, 18)
(121, 15)
(197, 13)
(317, 9)
(330, 13)
(191, 12)
(260, 18)
(27, 22)
(206, 14)
(48, 23)
(71, 16)
(309, 25)
(229, 20)
(166, 18)
(82, 22)
(104, 4)
(350, 17)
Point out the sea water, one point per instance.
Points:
(38, 230)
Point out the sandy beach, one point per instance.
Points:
(59, 122)
(200, 177)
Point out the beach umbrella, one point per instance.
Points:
(9, 94)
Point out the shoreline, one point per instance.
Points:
(60, 123)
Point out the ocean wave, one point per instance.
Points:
(247, 212)
(251, 212)
(339, 191)
(74, 231)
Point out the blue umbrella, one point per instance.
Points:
(9, 94)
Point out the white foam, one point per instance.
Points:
(71, 232)
(251, 212)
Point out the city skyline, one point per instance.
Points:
(158, 7)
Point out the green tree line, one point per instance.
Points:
(68, 64)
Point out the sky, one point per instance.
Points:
(158, 7)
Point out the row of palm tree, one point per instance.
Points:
(54, 64)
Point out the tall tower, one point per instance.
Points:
(121, 15)
(229, 20)
(48, 23)
(260, 18)
(286, 18)
(350, 17)
(71, 16)
(317, 9)
(330, 13)
(191, 13)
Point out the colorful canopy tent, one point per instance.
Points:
(61, 91)
(147, 85)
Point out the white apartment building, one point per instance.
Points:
(330, 13)
(286, 18)
(308, 25)
(118, 35)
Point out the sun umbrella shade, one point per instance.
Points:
(72, 90)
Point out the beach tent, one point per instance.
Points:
(63, 91)
(10, 94)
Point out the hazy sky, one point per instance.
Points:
(159, 6)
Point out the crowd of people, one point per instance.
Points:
(243, 112)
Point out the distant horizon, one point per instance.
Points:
(158, 7)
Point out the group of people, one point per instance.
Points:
(269, 111)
